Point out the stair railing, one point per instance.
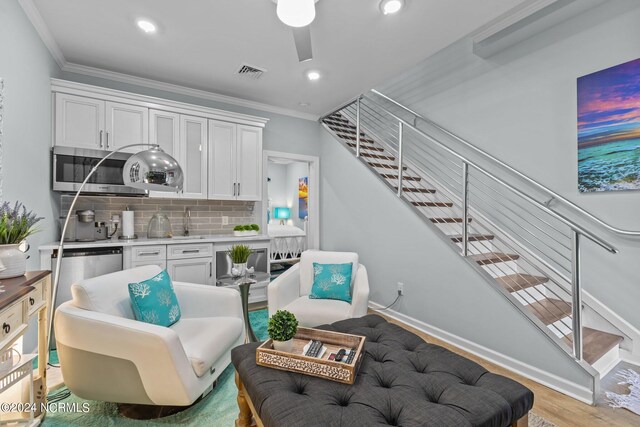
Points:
(576, 230)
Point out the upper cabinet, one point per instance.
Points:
(79, 121)
(220, 152)
(235, 159)
(84, 122)
(193, 156)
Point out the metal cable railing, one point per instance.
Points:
(471, 203)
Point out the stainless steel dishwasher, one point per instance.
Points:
(83, 263)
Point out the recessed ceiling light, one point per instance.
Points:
(146, 26)
(296, 13)
(389, 7)
(313, 75)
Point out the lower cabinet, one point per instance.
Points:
(191, 270)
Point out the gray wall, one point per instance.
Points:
(26, 67)
(520, 105)
(360, 214)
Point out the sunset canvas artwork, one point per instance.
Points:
(609, 129)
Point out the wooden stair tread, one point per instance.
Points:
(352, 137)
(550, 310)
(416, 190)
(447, 220)
(385, 165)
(493, 258)
(472, 237)
(408, 178)
(431, 204)
(518, 282)
(595, 343)
(372, 148)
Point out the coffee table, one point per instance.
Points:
(403, 380)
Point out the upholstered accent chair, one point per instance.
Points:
(107, 355)
(290, 291)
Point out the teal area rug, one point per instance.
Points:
(218, 409)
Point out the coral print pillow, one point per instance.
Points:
(154, 300)
(331, 281)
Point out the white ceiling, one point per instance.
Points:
(201, 43)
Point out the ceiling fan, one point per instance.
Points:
(298, 14)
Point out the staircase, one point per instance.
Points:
(505, 226)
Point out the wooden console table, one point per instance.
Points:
(21, 299)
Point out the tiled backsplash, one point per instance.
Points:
(206, 215)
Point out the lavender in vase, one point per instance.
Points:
(16, 224)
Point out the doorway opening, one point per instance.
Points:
(290, 207)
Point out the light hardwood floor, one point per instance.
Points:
(550, 404)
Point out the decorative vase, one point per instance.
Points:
(13, 260)
(285, 346)
(238, 269)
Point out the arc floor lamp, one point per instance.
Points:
(150, 169)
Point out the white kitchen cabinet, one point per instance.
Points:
(164, 130)
(84, 122)
(249, 163)
(184, 138)
(222, 177)
(193, 156)
(79, 121)
(191, 270)
(126, 124)
(235, 159)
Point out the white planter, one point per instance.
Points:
(285, 346)
(238, 270)
(13, 262)
(245, 233)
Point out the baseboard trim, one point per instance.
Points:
(550, 380)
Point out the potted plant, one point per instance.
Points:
(16, 224)
(246, 230)
(282, 327)
(239, 255)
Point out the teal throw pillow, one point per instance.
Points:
(331, 281)
(154, 300)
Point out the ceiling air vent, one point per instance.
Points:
(250, 72)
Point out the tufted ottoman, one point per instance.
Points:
(402, 381)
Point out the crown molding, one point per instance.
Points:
(43, 31)
(183, 90)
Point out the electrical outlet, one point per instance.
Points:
(400, 288)
(225, 220)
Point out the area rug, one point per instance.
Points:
(629, 401)
(536, 420)
(218, 409)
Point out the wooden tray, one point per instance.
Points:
(317, 367)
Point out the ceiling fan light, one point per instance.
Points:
(296, 13)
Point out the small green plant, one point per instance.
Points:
(255, 227)
(16, 224)
(238, 228)
(247, 228)
(239, 253)
(283, 325)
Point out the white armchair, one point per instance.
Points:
(290, 291)
(105, 354)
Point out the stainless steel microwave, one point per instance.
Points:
(72, 165)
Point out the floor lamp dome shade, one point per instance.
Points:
(153, 170)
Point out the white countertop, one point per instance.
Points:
(143, 241)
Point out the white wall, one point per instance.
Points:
(520, 105)
(26, 67)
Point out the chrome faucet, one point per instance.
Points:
(187, 220)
